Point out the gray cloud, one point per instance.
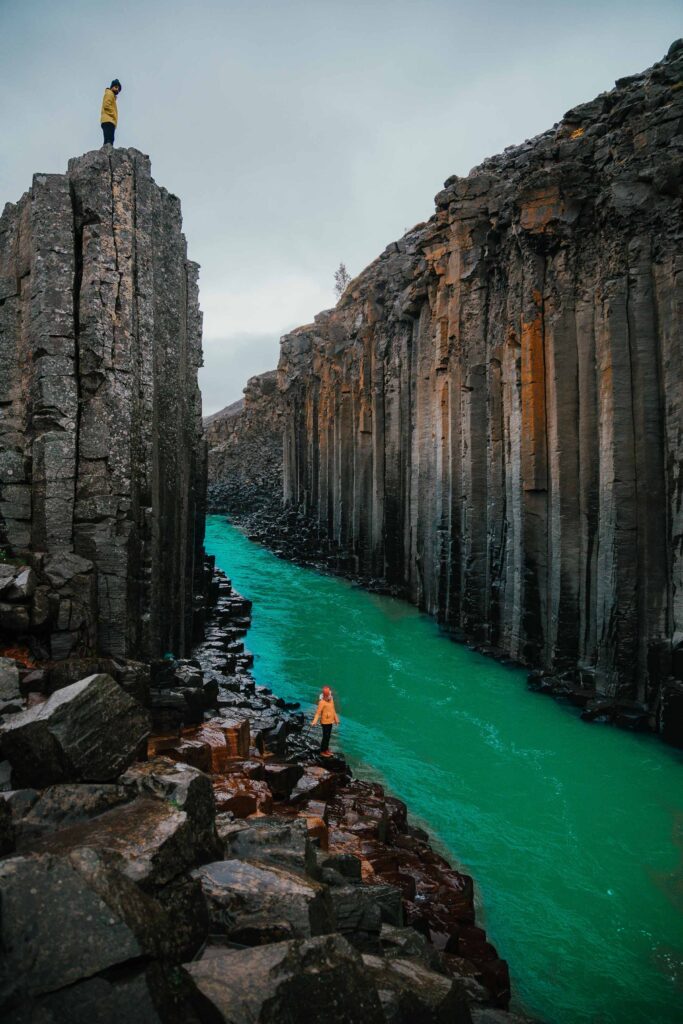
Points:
(299, 133)
(229, 363)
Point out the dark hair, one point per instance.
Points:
(116, 82)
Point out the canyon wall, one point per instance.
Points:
(245, 450)
(102, 457)
(491, 417)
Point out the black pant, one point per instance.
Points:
(327, 732)
(108, 128)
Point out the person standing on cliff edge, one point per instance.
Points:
(109, 115)
(328, 717)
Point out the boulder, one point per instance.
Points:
(7, 830)
(65, 918)
(23, 586)
(247, 900)
(89, 731)
(342, 865)
(282, 778)
(241, 795)
(357, 916)
(9, 680)
(187, 789)
(411, 993)
(279, 842)
(14, 618)
(148, 994)
(320, 981)
(315, 783)
(155, 841)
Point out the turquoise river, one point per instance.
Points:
(573, 832)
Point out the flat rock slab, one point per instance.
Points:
(245, 900)
(321, 981)
(89, 731)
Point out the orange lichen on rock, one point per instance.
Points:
(20, 654)
(539, 208)
(533, 404)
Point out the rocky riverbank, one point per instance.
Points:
(203, 864)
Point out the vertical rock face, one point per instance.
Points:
(102, 463)
(245, 449)
(492, 415)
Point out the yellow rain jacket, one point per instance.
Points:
(326, 713)
(109, 113)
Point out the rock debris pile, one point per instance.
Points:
(212, 869)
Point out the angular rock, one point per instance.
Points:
(241, 795)
(14, 618)
(9, 680)
(187, 790)
(271, 841)
(7, 829)
(89, 731)
(282, 778)
(154, 841)
(410, 993)
(152, 994)
(321, 981)
(101, 918)
(247, 901)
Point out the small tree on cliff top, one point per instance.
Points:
(341, 279)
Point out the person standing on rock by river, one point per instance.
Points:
(109, 114)
(328, 717)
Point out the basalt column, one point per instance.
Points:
(102, 458)
(492, 414)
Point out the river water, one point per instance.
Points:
(573, 832)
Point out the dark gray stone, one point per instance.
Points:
(321, 981)
(9, 680)
(89, 731)
(410, 993)
(100, 917)
(253, 903)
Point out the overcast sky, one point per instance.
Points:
(301, 133)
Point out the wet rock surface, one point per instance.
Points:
(489, 422)
(310, 899)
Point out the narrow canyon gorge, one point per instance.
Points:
(173, 848)
(489, 421)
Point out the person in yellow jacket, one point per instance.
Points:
(109, 115)
(328, 717)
